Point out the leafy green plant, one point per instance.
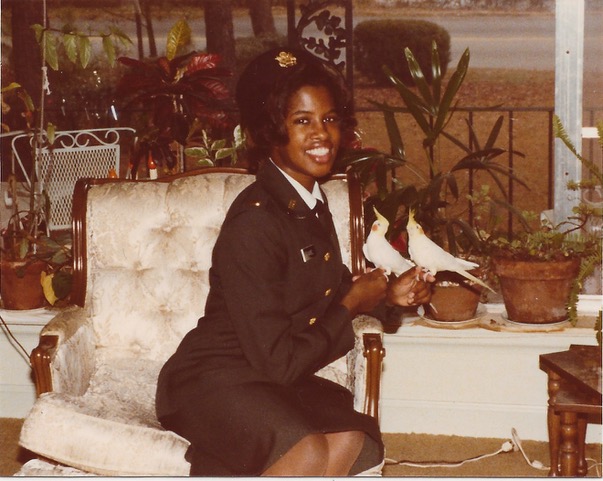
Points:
(396, 180)
(26, 239)
(77, 45)
(210, 152)
(570, 238)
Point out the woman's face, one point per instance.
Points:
(314, 131)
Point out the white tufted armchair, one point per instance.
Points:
(142, 252)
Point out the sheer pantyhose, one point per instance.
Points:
(331, 454)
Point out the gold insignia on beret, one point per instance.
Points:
(286, 59)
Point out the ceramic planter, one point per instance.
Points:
(454, 298)
(536, 292)
(20, 285)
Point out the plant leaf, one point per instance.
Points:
(85, 50)
(395, 139)
(199, 152)
(413, 103)
(61, 284)
(50, 50)
(436, 73)
(38, 31)
(178, 36)
(70, 46)
(50, 132)
(223, 153)
(109, 48)
(455, 82)
(419, 78)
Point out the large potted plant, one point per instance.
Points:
(397, 185)
(35, 265)
(183, 101)
(542, 270)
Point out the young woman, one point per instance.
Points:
(241, 386)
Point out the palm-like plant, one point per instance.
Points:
(432, 108)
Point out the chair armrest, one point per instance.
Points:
(64, 358)
(367, 368)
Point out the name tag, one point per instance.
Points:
(308, 253)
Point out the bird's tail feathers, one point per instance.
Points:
(467, 264)
(471, 277)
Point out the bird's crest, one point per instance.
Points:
(380, 218)
(412, 223)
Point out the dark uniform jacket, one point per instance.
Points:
(273, 311)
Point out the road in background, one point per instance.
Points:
(519, 41)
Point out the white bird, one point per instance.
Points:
(432, 258)
(380, 252)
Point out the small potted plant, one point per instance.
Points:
(542, 270)
(398, 186)
(34, 264)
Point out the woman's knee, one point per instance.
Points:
(309, 457)
(370, 456)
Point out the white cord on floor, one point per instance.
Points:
(512, 445)
(506, 447)
(517, 442)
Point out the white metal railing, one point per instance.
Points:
(74, 154)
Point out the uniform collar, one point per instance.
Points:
(285, 193)
(309, 198)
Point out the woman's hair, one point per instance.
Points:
(266, 86)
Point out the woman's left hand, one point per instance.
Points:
(410, 289)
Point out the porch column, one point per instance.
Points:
(569, 63)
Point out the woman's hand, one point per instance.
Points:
(410, 289)
(367, 291)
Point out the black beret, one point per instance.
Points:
(266, 75)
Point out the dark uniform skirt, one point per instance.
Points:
(242, 429)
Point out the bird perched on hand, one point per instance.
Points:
(432, 258)
(380, 252)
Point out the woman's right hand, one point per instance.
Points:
(367, 291)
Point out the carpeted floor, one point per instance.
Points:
(413, 447)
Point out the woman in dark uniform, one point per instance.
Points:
(241, 386)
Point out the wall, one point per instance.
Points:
(17, 390)
(467, 382)
(472, 382)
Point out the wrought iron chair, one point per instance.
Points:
(73, 154)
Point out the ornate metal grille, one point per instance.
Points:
(322, 32)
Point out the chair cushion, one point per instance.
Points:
(39, 467)
(110, 430)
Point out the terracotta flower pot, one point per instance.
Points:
(20, 285)
(536, 292)
(454, 298)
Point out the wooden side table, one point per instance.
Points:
(574, 388)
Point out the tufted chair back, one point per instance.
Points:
(147, 256)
